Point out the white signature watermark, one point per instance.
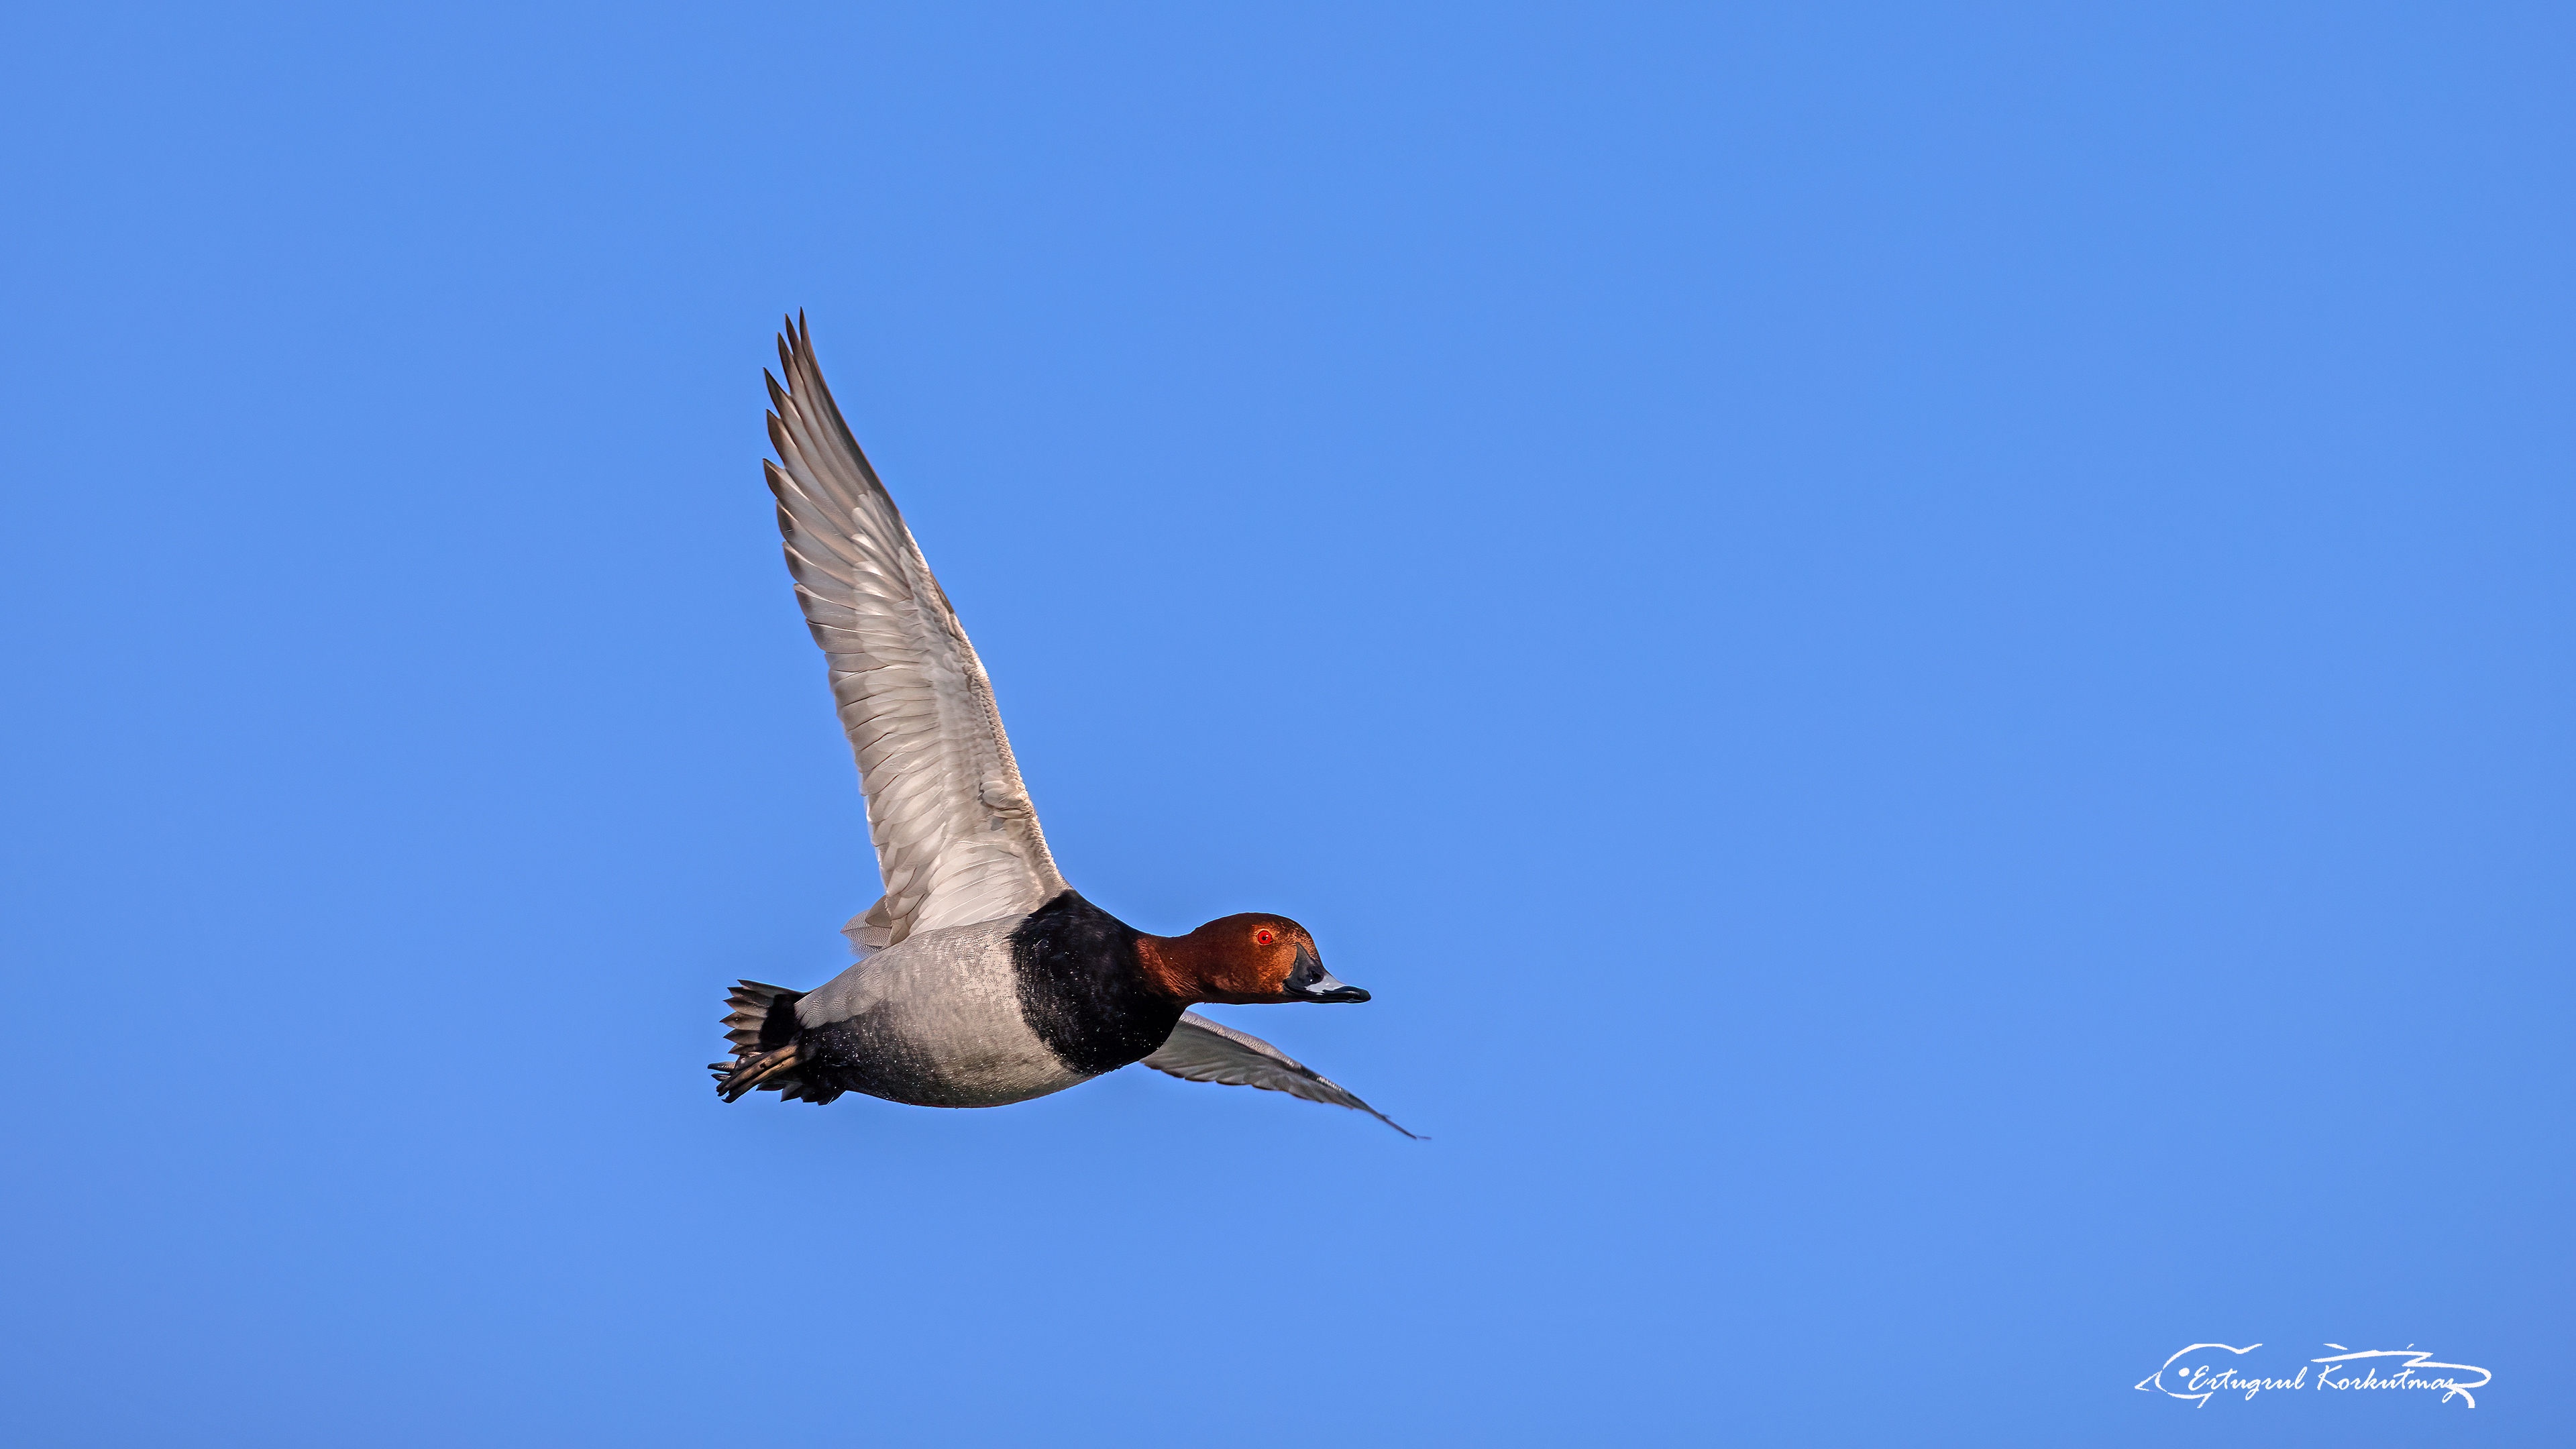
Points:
(2193, 1374)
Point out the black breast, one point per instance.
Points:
(1082, 988)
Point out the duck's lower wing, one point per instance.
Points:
(1199, 1050)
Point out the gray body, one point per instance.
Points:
(935, 1020)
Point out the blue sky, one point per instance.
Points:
(1922, 652)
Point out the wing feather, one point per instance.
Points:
(957, 840)
(1200, 1050)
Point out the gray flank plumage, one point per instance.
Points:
(956, 836)
(935, 1020)
(1200, 1050)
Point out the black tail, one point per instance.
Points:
(762, 1027)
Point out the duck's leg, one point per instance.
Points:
(748, 1075)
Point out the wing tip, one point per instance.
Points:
(795, 341)
(1410, 1135)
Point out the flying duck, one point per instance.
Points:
(982, 977)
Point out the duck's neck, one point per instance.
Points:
(1169, 965)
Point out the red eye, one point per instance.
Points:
(1263, 937)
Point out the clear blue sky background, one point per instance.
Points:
(1922, 652)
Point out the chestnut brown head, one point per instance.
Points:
(1251, 959)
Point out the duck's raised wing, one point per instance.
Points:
(1199, 1050)
(957, 839)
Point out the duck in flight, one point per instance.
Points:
(983, 978)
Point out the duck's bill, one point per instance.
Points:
(1325, 988)
(1309, 981)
